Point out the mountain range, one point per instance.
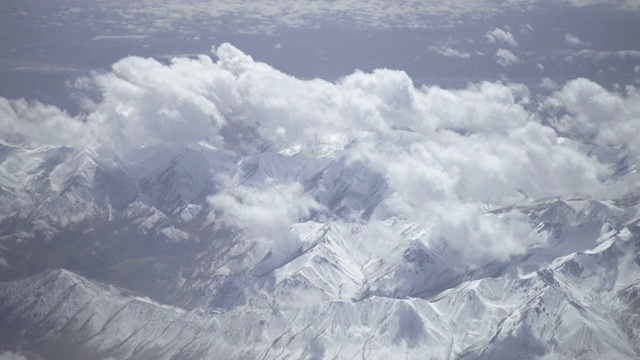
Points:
(191, 252)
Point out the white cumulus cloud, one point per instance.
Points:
(449, 52)
(506, 58)
(498, 35)
(597, 115)
(448, 155)
(574, 40)
(264, 214)
(35, 123)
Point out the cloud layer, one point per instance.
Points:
(149, 16)
(447, 155)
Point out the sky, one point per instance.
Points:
(461, 107)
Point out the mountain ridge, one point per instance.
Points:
(166, 258)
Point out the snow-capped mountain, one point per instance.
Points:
(231, 179)
(142, 256)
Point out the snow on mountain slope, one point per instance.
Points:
(352, 288)
(552, 313)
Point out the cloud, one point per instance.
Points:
(596, 115)
(445, 181)
(481, 146)
(158, 16)
(264, 214)
(483, 129)
(267, 211)
(506, 58)
(573, 40)
(624, 4)
(162, 103)
(449, 52)
(548, 84)
(23, 122)
(270, 15)
(498, 35)
(8, 355)
(603, 55)
(448, 155)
